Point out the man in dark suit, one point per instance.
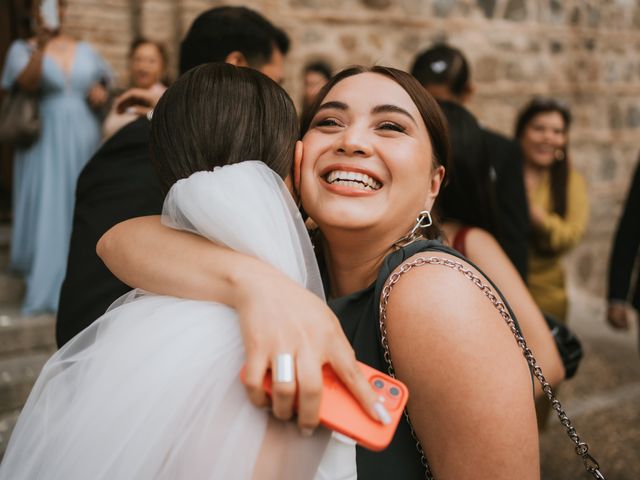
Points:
(625, 258)
(444, 72)
(119, 182)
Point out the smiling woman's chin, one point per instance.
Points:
(344, 217)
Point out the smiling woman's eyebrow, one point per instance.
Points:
(387, 108)
(336, 105)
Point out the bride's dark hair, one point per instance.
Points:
(218, 114)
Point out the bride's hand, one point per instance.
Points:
(279, 316)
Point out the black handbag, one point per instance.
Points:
(19, 118)
(567, 343)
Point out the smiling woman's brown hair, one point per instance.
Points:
(218, 114)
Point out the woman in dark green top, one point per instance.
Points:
(374, 150)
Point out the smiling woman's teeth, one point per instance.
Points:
(353, 179)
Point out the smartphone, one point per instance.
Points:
(341, 412)
(50, 15)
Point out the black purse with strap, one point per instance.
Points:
(568, 345)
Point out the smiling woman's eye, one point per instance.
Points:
(391, 126)
(326, 122)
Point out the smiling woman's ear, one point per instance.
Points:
(437, 177)
(297, 165)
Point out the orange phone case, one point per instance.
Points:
(341, 412)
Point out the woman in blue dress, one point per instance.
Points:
(70, 78)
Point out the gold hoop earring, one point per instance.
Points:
(559, 155)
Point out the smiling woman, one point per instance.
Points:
(148, 64)
(379, 124)
(558, 203)
(352, 121)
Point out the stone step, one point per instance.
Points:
(25, 334)
(17, 375)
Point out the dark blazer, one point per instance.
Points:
(118, 183)
(626, 248)
(513, 213)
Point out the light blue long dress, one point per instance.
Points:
(45, 173)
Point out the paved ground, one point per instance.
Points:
(602, 400)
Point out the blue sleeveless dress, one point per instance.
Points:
(45, 173)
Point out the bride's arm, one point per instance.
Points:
(276, 314)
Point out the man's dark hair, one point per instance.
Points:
(219, 31)
(442, 65)
(219, 114)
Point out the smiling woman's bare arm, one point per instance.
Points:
(276, 314)
(484, 251)
(470, 400)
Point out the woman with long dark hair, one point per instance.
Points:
(558, 201)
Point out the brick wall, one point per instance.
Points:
(586, 52)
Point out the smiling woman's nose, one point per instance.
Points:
(353, 142)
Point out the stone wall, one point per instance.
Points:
(586, 52)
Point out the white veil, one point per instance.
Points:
(248, 208)
(151, 390)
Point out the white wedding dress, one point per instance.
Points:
(151, 390)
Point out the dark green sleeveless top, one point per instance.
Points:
(359, 316)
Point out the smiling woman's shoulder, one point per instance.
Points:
(454, 352)
(443, 295)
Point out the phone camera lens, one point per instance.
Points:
(394, 391)
(378, 383)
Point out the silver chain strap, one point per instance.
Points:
(581, 448)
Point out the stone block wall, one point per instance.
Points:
(586, 52)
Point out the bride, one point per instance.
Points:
(151, 390)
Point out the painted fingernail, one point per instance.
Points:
(306, 432)
(382, 413)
